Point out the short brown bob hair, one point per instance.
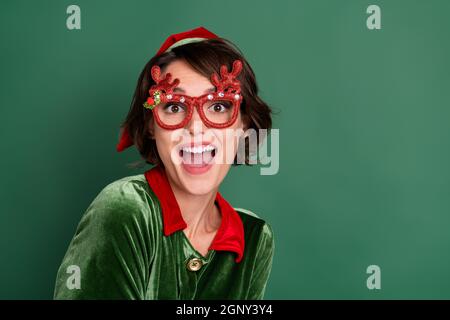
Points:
(205, 57)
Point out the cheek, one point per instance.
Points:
(238, 131)
(167, 142)
(229, 139)
(163, 141)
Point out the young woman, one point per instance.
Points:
(168, 233)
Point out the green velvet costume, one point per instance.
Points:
(129, 244)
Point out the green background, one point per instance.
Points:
(364, 134)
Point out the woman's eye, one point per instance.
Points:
(219, 107)
(173, 108)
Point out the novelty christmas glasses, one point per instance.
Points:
(217, 109)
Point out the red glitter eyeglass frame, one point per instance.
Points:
(227, 88)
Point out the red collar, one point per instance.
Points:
(229, 236)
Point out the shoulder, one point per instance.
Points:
(128, 186)
(124, 192)
(253, 223)
(250, 217)
(124, 200)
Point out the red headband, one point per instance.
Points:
(172, 41)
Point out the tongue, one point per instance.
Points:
(197, 159)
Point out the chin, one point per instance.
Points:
(199, 182)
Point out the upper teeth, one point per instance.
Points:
(199, 149)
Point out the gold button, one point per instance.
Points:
(194, 264)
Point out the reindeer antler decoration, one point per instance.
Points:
(161, 86)
(162, 90)
(228, 79)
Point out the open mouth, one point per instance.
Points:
(198, 155)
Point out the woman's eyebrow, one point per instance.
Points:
(179, 89)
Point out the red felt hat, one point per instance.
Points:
(174, 40)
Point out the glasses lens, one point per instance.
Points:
(218, 111)
(172, 113)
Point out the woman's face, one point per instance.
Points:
(196, 158)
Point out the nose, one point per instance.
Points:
(195, 124)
